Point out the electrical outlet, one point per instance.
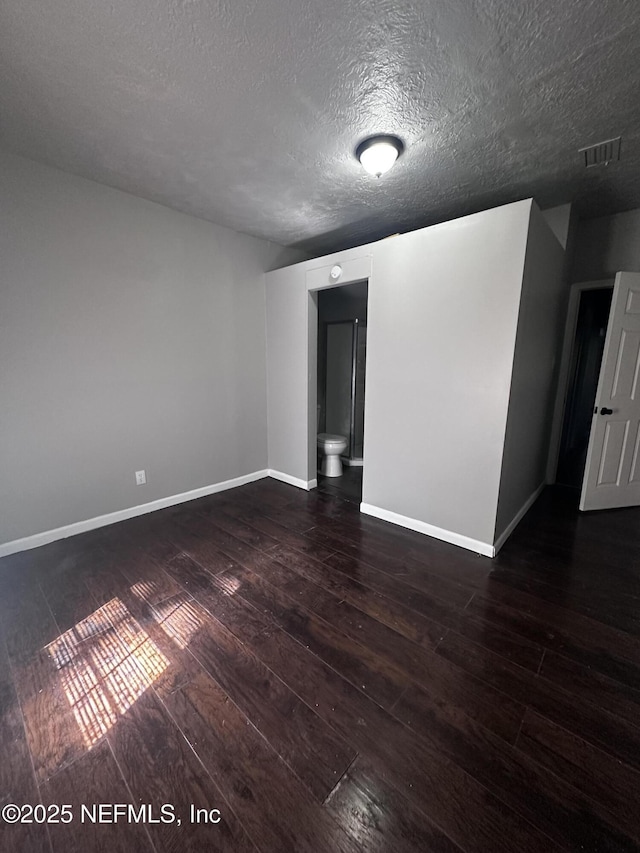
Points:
(141, 478)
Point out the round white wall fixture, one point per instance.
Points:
(336, 272)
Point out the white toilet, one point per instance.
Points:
(331, 446)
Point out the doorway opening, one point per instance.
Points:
(586, 360)
(341, 376)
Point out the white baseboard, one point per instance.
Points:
(47, 536)
(524, 509)
(475, 545)
(292, 481)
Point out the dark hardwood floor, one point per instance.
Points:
(348, 486)
(326, 681)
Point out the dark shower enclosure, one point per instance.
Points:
(341, 384)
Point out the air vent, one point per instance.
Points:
(602, 153)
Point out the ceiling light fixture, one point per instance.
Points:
(377, 154)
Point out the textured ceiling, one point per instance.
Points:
(247, 112)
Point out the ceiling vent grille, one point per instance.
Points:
(602, 153)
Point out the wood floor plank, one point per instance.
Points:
(556, 807)
(107, 585)
(380, 819)
(427, 565)
(621, 613)
(272, 492)
(310, 748)
(227, 551)
(323, 505)
(452, 564)
(553, 565)
(612, 734)
(383, 666)
(276, 813)
(607, 781)
(47, 685)
(293, 517)
(93, 779)
(332, 606)
(148, 581)
(245, 533)
(463, 809)
(283, 536)
(191, 575)
(553, 535)
(593, 687)
(381, 679)
(17, 779)
(241, 618)
(160, 767)
(26, 623)
(385, 582)
(70, 600)
(420, 665)
(573, 635)
(391, 613)
(496, 638)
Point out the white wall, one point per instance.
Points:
(443, 309)
(533, 381)
(607, 245)
(131, 336)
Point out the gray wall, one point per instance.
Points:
(442, 320)
(535, 366)
(131, 336)
(289, 383)
(443, 306)
(607, 245)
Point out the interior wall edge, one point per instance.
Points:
(485, 549)
(534, 371)
(524, 509)
(512, 363)
(26, 543)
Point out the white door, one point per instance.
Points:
(612, 473)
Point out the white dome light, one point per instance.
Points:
(378, 154)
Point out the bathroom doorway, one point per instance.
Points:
(341, 378)
(586, 358)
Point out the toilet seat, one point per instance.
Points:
(328, 438)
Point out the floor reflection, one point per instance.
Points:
(179, 619)
(144, 590)
(228, 584)
(106, 662)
